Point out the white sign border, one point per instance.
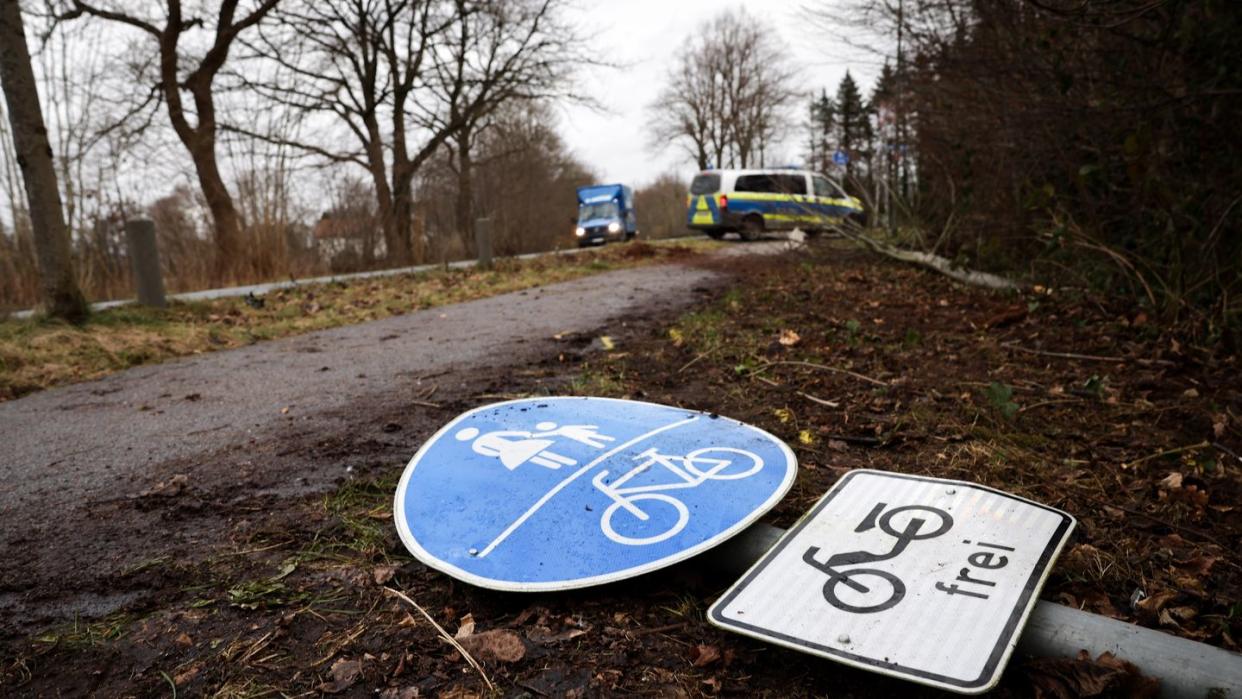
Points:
(998, 659)
(427, 558)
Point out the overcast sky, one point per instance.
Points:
(644, 36)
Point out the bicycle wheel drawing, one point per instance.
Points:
(889, 592)
(946, 522)
(723, 463)
(657, 524)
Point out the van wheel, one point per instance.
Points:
(752, 228)
(715, 235)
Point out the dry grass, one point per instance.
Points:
(38, 354)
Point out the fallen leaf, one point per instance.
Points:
(1153, 604)
(607, 343)
(170, 488)
(542, 634)
(1068, 678)
(344, 674)
(1173, 481)
(702, 655)
(805, 437)
(1190, 393)
(497, 644)
(382, 574)
(466, 628)
(789, 338)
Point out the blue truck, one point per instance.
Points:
(605, 212)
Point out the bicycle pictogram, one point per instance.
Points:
(664, 515)
(888, 588)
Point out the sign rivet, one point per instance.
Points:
(950, 491)
(473, 552)
(843, 638)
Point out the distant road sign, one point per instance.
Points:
(558, 493)
(921, 578)
(840, 157)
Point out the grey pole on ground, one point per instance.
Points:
(483, 241)
(1185, 668)
(144, 258)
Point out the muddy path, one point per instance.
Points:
(261, 563)
(99, 478)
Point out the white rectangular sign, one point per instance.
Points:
(922, 578)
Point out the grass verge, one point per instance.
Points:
(36, 354)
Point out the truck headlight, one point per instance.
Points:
(580, 231)
(614, 227)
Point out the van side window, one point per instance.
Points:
(826, 188)
(754, 183)
(705, 184)
(789, 184)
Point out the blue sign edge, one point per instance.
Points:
(425, 557)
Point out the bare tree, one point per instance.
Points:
(404, 77)
(727, 96)
(499, 52)
(183, 73)
(61, 295)
(357, 64)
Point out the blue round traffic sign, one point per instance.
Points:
(558, 493)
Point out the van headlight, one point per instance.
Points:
(580, 231)
(614, 227)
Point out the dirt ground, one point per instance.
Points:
(855, 361)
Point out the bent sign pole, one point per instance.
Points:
(1185, 668)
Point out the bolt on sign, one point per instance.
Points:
(559, 493)
(926, 579)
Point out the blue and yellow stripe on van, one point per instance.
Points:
(705, 211)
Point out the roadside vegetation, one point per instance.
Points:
(1059, 395)
(40, 353)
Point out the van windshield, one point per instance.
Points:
(705, 184)
(603, 209)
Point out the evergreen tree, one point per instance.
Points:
(823, 119)
(854, 132)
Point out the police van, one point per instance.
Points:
(750, 202)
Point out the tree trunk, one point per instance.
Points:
(61, 295)
(228, 226)
(401, 221)
(464, 209)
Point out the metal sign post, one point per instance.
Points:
(920, 578)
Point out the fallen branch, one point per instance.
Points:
(1087, 357)
(1168, 452)
(445, 635)
(821, 401)
(933, 262)
(823, 367)
(692, 362)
